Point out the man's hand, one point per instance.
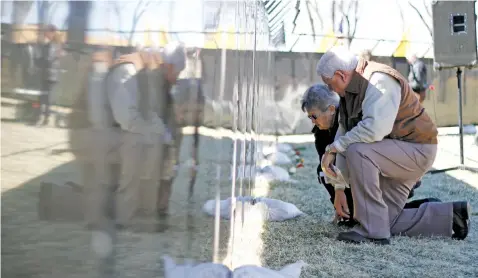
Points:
(327, 160)
(340, 204)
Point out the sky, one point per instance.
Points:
(378, 19)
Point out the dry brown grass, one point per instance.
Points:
(32, 248)
(312, 238)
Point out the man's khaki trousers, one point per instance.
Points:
(381, 175)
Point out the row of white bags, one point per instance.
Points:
(273, 153)
(267, 173)
(214, 270)
(269, 209)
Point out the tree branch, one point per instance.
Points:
(117, 11)
(51, 11)
(356, 19)
(333, 15)
(430, 30)
(310, 20)
(316, 10)
(402, 16)
(135, 21)
(427, 8)
(137, 16)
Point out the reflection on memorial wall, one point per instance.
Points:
(158, 126)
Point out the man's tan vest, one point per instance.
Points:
(79, 120)
(412, 123)
(148, 64)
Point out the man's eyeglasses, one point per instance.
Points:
(313, 117)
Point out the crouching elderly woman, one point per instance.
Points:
(322, 106)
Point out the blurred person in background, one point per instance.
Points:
(138, 90)
(94, 139)
(48, 61)
(384, 144)
(366, 55)
(417, 76)
(322, 107)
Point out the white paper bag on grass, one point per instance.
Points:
(251, 271)
(270, 209)
(192, 270)
(285, 148)
(278, 210)
(279, 158)
(277, 173)
(268, 173)
(213, 270)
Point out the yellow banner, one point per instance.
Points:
(327, 42)
(403, 47)
(221, 39)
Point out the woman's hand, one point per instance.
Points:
(327, 161)
(340, 204)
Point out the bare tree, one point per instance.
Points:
(20, 11)
(117, 7)
(312, 6)
(402, 16)
(422, 17)
(311, 20)
(350, 16)
(333, 14)
(316, 10)
(348, 13)
(42, 9)
(140, 9)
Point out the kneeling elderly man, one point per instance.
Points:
(385, 143)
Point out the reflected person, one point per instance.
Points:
(49, 66)
(138, 88)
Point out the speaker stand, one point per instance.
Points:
(462, 165)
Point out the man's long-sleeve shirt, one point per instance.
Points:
(379, 109)
(124, 96)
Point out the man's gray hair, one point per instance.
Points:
(319, 97)
(337, 58)
(175, 54)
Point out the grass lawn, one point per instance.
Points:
(312, 238)
(33, 248)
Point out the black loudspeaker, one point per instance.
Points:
(454, 34)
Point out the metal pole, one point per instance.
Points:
(460, 114)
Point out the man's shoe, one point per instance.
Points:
(354, 237)
(412, 192)
(417, 185)
(461, 220)
(347, 223)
